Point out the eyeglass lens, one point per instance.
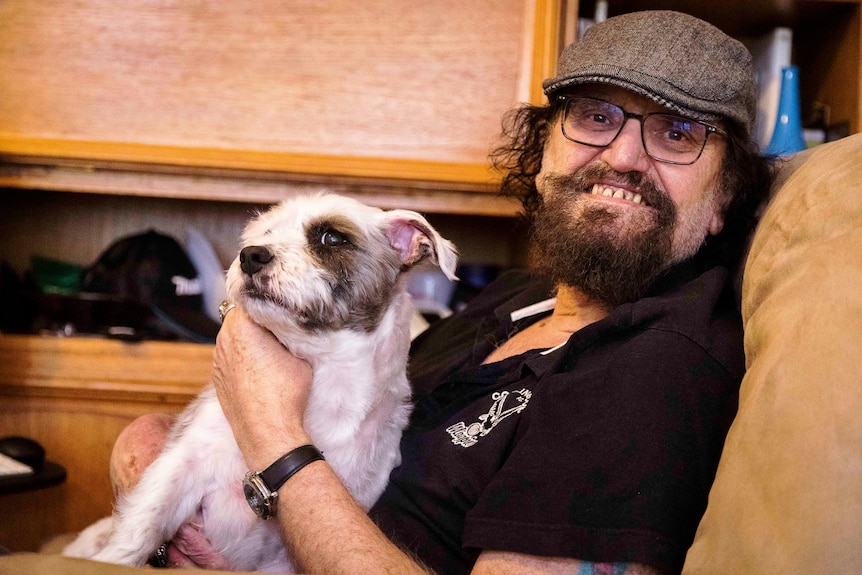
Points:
(665, 137)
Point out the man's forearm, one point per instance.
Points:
(328, 532)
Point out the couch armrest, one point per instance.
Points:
(788, 493)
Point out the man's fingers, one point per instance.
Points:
(191, 548)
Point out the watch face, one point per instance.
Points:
(252, 495)
(259, 498)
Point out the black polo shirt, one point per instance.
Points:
(601, 450)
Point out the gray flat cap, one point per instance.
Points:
(674, 59)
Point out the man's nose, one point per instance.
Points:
(626, 153)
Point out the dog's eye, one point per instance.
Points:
(331, 239)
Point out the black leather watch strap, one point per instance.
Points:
(287, 465)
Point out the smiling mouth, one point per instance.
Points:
(617, 193)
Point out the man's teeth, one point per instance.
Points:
(599, 190)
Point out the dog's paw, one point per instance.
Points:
(91, 540)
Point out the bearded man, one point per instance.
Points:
(569, 421)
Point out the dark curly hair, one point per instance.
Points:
(745, 179)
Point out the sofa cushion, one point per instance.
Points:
(787, 496)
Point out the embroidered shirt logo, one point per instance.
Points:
(467, 435)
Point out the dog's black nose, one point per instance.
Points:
(253, 259)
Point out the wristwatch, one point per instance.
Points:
(261, 487)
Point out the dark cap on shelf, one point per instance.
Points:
(153, 269)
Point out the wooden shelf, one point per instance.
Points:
(740, 18)
(102, 370)
(256, 181)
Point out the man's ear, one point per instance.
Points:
(413, 237)
(721, 202)
(716, 224)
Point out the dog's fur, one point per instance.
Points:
(333, 293)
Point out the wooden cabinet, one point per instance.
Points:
(74, 396)
(143, 95)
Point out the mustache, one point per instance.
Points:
(583, 180)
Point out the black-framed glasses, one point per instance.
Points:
(666, 137)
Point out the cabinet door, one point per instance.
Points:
(381, 88)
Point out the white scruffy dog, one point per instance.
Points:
(324, 273)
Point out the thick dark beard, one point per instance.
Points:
(589, 251)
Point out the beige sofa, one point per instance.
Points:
(788, 493)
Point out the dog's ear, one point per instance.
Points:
(414, 238)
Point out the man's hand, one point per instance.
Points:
(190, 549)
(263, 390)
